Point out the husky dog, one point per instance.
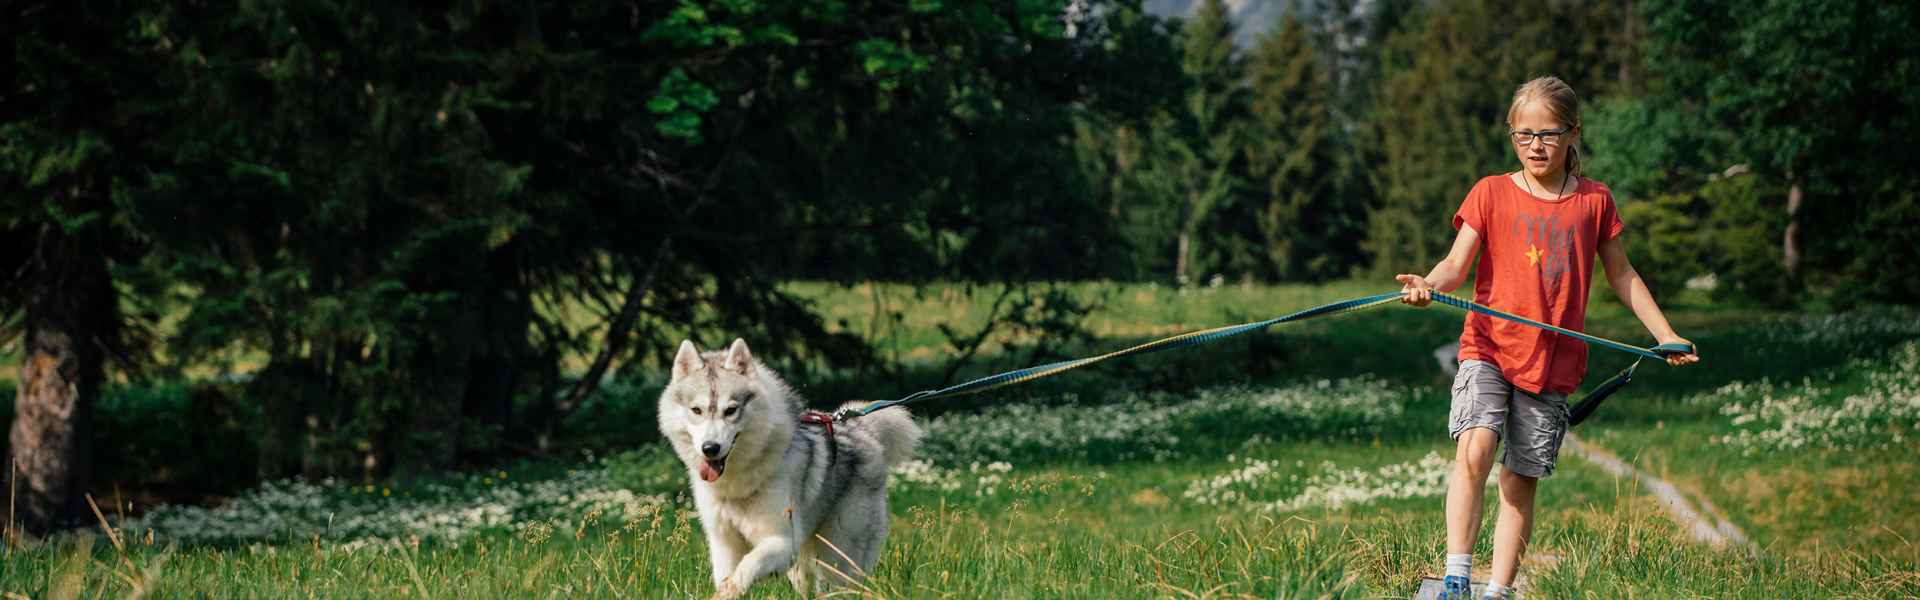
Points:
(769, 487)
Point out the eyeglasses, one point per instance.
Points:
(1550, 137)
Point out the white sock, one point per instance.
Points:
(1459, 565)
(1497, 592)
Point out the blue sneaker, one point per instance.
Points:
(1456, 588)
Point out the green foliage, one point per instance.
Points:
(1726, 229)
(679, 104)
(79, 113)
(1879, 247)
(1643, 146)
(1745, 224)
(1684, 221)
(1826, 57)
(888, 60)
(688, 25)
(649, 470)
(1817, 96)
(1665, 241)
(620, 414)
(175, 438)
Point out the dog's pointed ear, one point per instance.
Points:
(687, 361)
(739, 359)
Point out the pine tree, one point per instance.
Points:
(1141, 82)
(1198, 146)
(1308, 229)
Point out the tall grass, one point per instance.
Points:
(1059, 532)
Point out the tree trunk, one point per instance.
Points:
(1790, 246)
(52, 419)
(1180, 259)
(68, 306)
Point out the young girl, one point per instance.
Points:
(1541, 228)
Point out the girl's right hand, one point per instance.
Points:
(1680, 359)
(1416, 289)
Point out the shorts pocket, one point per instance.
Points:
(1562, 415)
(1462, 405)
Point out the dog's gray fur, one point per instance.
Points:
(782, 486)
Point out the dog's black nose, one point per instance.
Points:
(711, 449)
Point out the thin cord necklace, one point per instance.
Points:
(1564, 179)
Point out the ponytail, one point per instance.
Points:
(1573, 160)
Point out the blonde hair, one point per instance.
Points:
(1561, 102)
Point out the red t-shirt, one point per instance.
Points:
(1536, 261)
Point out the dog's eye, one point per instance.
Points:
(730, 411)
(696, 410)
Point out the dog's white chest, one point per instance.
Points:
(752, 518)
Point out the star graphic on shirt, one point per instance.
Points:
(1533, 255)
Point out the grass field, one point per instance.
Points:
(1307, 462)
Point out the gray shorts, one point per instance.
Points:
(1532, 425)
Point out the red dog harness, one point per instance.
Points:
(815, 417)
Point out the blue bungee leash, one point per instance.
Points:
(1579, 413)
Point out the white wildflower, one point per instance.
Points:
(283, 510)
(1784, 417)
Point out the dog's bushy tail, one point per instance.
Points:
(894, 428)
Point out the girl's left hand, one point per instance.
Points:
(1415, 289)
(1681, 359)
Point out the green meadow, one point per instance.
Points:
(1307, 461)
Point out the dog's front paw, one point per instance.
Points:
(726, 590)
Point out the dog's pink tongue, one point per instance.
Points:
(707, 472)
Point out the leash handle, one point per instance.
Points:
(1591, 403)
(1672, 349)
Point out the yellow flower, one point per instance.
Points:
(503, 475)
(384, 492)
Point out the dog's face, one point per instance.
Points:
(711, 401)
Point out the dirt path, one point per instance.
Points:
(1704, 523)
